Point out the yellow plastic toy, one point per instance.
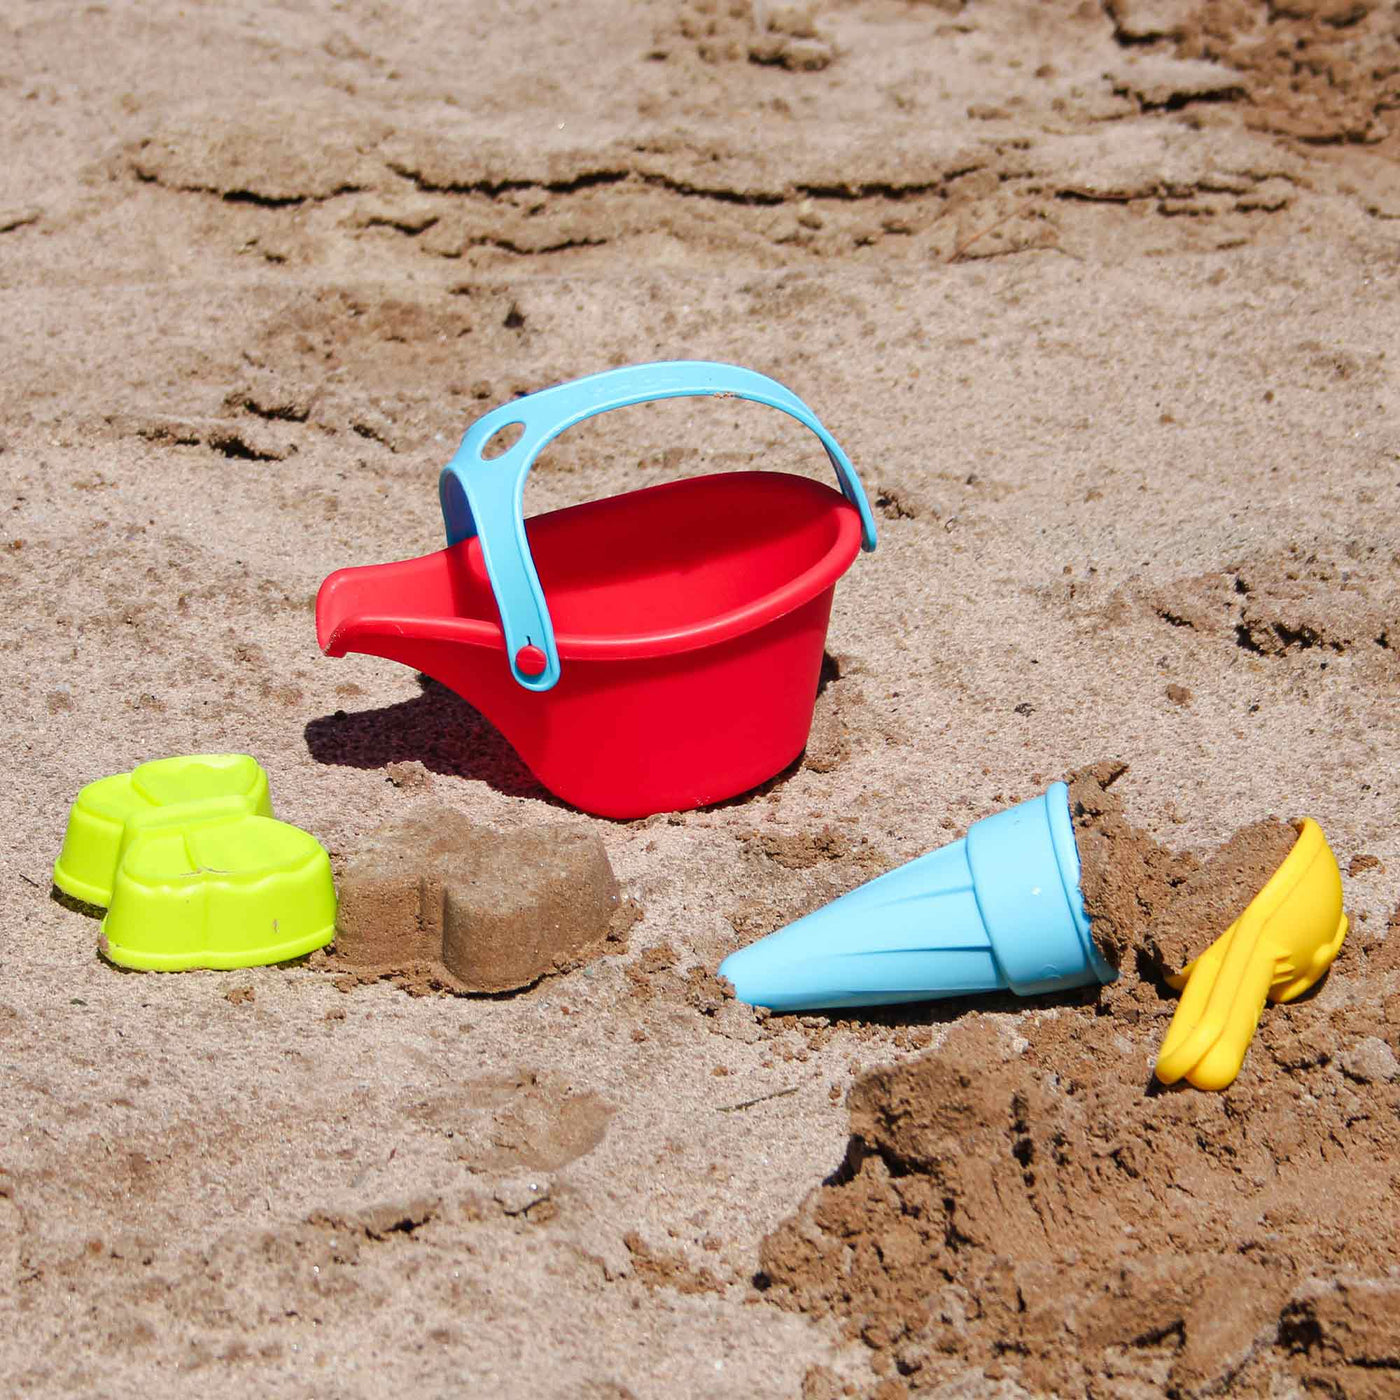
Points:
(1284, 941)
(192, 868)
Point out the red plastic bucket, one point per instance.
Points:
(684, 629)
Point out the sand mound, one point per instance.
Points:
(1151, 907)
(993, 1204)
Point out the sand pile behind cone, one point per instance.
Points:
(1151, 907)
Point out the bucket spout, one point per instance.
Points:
(385, 609)
(354, 604)
(434, 614)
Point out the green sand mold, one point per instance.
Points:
(194, 870)
(92, 845)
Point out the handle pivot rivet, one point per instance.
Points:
(530, 661)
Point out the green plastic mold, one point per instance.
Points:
(92, 845)
(192, 868)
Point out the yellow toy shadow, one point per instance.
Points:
(1284, 941)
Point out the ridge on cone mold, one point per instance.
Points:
(86, 868)
(482, 910)
(998, 910)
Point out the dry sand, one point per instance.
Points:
(1102, 301)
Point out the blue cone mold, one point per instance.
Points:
(1000, 909)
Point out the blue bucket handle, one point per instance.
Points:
(486, 497)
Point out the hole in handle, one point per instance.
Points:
(501, 441)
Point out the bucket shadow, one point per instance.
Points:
(438, 729)
(446, 735)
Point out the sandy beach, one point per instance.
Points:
(1101, 300)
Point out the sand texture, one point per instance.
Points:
(1101, 299)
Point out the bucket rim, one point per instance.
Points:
(635, 646)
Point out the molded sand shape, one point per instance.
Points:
(439, 900)
(192, 868)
